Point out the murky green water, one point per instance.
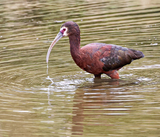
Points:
(68, 101)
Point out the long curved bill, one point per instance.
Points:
(57, 38)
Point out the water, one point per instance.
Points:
(63, 100)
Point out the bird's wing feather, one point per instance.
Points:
(114, 57)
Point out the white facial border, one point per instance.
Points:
(65, 32)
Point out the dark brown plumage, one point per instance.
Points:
(96, 58)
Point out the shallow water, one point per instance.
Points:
(68, 101)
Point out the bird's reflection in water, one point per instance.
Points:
(93, 104)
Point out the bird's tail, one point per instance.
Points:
(136, 54)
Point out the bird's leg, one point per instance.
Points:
(113, 74)
(97, 76)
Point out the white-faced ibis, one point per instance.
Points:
(95, 58)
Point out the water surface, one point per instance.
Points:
(68, 101)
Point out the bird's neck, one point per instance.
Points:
(75, 48)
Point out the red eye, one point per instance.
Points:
(63, 30)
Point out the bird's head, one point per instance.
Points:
(67, 29)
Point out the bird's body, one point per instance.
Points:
(96, 58)
(91, 59)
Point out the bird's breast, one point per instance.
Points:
(91, 63)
